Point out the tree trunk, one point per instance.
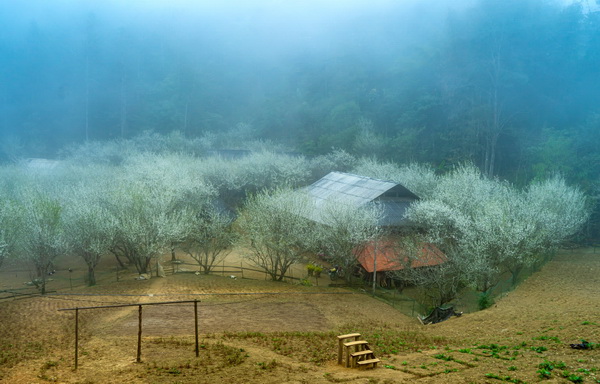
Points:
(91, 277)
(123, 118)
(173, 258)
(118, 260)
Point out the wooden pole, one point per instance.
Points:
(374, 268)
(196, 325)
(139, 345)
(76, 336)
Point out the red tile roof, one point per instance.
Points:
(389, 258)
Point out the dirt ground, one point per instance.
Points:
(257, 331)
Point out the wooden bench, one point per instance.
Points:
(357, 345)
(371, 363)
(355, 357)
(341, 340)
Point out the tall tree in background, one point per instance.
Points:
(90, 49)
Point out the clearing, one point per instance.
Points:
(257, 331)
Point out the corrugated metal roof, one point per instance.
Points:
(361, 190)
(354, 189)
(35, 163)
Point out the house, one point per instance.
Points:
(394, 199)
(359, 191)
(386, 258)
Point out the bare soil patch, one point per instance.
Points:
(257, 331)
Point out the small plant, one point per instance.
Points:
(485, 301)
(441, 356)
(545, 337)
(314, 270)
(512, 368)
(572, 377)
(49, 364)
(539, 349)
(547, 366)
(268, 366)
(544, 373)
(174, 371)
(504, 378)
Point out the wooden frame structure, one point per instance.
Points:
(140, 305)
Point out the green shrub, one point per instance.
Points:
(485, 301)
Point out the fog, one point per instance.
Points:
(508, 85)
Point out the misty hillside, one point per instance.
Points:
(510, 85)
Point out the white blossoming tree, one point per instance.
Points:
(43, 238)
(11, 223)
(153, 202)
(275, 229)
(210, 237)
(90, 226)
(235, 179)
(343, 232)
(418, 178)
(486, 227)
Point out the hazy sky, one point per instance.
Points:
(232, 57)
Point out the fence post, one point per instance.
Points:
(76, 336)
(139, 345)
(196, 325)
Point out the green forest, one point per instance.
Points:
(507, 85)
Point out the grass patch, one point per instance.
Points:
(12, 353)
(546, 337)
(319, 347)
(314, 347)
(214, 357)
